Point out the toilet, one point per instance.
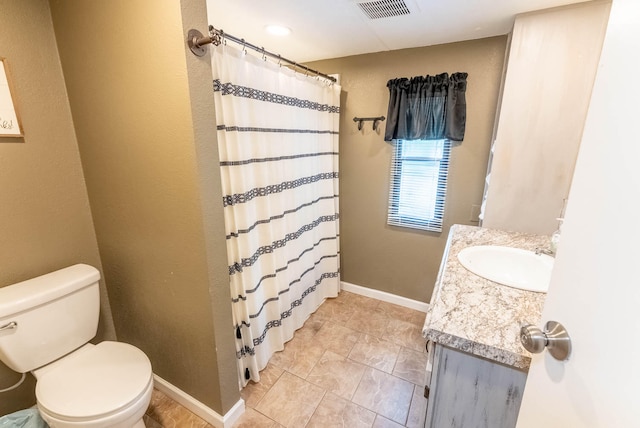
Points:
(45, 327)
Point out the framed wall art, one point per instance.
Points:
(9, 119)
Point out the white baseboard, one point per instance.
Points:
(385, 297)
(199, 408)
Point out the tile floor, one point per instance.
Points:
(163, 412)
(357, 362)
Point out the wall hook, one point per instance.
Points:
(376, 121)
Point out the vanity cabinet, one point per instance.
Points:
(472, 392)
(477, 367)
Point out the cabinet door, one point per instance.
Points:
(471, 392)
(552, 66)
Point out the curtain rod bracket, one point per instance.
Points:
(196, 42)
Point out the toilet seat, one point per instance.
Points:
(95, 383)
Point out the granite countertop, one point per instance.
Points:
(478, 316)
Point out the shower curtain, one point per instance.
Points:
(278, 144)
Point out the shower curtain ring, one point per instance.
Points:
(264, 56)
(244, 46)
(279, 61)
(221, 33)
(215, 36)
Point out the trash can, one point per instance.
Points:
(28, 418)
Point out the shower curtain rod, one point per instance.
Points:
(196, 41)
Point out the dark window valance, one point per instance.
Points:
(427, 108)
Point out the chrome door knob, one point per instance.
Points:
(554, 337)
(533, 339)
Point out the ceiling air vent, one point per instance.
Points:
(384, 8)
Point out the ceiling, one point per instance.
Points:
(324, 29)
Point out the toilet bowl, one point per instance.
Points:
(45, 326)
(106, 385)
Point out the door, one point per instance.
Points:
(595, 286)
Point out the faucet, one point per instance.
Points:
(540, 250)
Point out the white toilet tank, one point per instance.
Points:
(54, 314)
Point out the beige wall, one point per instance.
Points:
(398, 260)
(552, 66)
(45, 221)
(210, 191)
(147, 149)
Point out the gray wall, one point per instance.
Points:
(147, 147)
(45, 220)
(399, 260)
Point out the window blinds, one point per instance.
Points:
(418, 184)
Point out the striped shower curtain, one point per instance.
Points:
(278, 143)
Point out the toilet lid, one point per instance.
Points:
(99, 381)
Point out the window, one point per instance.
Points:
(418, 184)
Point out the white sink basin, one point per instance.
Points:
(513, 267)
